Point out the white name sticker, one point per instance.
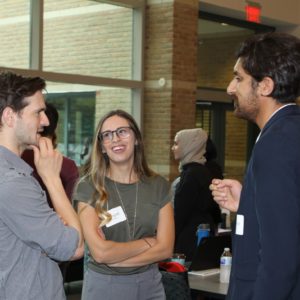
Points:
(118, 216)
(239, 229)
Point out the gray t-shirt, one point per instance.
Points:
(151, 193)
(31, 236)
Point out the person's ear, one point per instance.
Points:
(266, 86)
(8, 116)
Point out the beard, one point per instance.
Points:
(248, 110)
(26, 136)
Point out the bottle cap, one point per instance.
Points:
(204, 226)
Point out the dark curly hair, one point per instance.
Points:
(15, 88)
(52, 115)
(275, 55)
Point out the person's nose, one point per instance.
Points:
(44, 119)
(231, 88)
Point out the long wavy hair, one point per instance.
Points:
(98, 164)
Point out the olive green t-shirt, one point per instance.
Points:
(140, 202)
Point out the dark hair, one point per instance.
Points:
(14, 88)
(274, 55)
(52, 115)
(211, 150)
(211, 163)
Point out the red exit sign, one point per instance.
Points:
(253, 11)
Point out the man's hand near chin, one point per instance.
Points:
(48, 161)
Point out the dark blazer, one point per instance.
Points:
(266, 252)
(193, 205)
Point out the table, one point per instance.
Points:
(208, 285)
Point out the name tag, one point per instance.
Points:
(118, 216)
(239, 229)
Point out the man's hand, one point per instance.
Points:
(226, 193)
(47, 160)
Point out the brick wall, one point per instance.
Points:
(171, 35)
(88, 42)
(236, 146)
(158, 64)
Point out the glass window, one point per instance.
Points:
(76, 123)
(80, 107)
(88, 38)
(90, 54)
(14, 33)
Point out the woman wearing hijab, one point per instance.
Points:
(193, 201)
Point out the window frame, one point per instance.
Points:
(136, 84)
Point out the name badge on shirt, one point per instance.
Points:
(239, 229)
(117, 215)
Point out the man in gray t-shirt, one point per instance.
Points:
(32, 236)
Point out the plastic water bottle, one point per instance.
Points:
(225, 265)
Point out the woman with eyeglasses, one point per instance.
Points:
(125, 213)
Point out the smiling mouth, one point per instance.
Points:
(118, 148)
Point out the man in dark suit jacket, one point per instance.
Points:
(266, 237)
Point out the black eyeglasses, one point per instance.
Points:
(121, 132)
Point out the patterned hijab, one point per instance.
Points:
(191, 146)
